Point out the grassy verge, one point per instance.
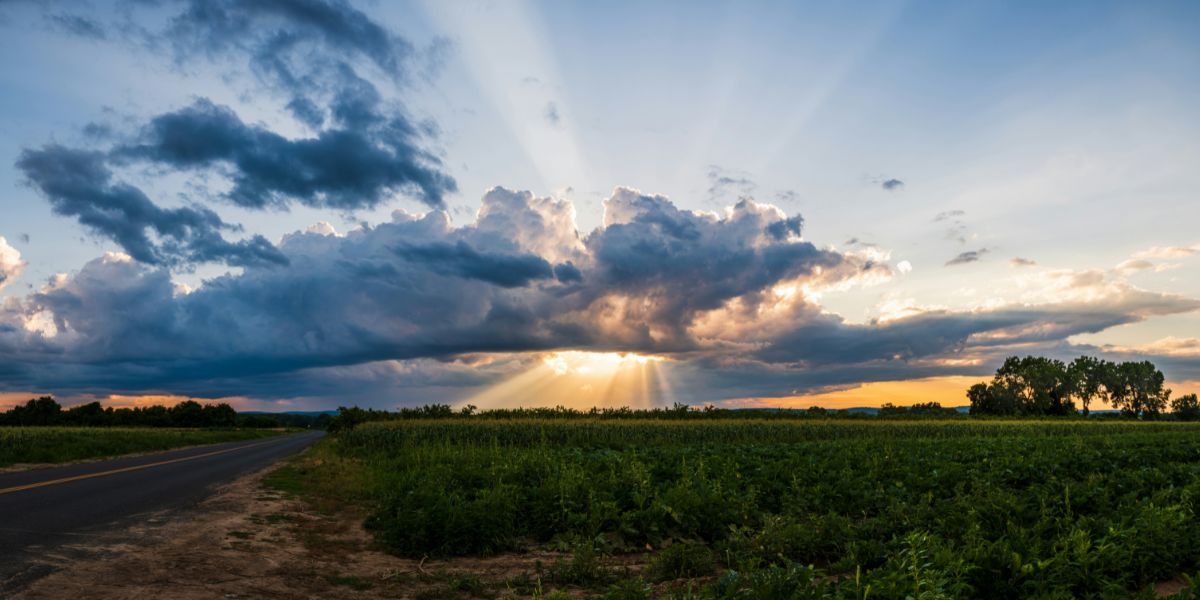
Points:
(742, 509)
(20, 445)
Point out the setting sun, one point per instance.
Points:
(579, 379)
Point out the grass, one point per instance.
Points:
(783, 509)
(19, 445)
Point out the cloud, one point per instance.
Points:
(461, 260)
(77, 25)
(969, 256)
(520, 278)
(723, 183)
(343, 168)
(1021, 262)
(421, 305)
(1168, 346)
(11, 264)
(948, 215)
(1167, 252)
(1133, 266)
(78, 183)
(892, 185)
(322, 58)
(550, 113)
(275, 33)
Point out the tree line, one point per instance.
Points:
(1037, 386)
(46, 411)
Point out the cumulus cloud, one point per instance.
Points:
(11, 264)
(969, 256)
(79, 184)
(519, 278)
(420, 302)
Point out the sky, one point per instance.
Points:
(307, 204)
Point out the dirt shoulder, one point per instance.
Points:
(249, 540)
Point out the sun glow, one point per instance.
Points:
(578, 379)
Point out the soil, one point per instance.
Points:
(250, 541)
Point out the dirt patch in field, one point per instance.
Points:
(249, 541)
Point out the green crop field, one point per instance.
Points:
(62, 444)
(816, 508)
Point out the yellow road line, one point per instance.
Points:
(29, 486)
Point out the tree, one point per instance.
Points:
(1186, 408)
(1087, 375)
(1041, 384)
(188, 413)
(39, 411)
(993, 399)
(219, 415)
(1137, 389)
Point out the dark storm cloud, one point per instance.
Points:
(343, 169)
(568, 273)
(780, 229)
(969, 256)
(826, 340)
(414, 288)
(654, 278)
(79, 184)
(461, 260)
(892, 185)
(364, 150)
(266, 27)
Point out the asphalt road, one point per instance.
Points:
(43, 509)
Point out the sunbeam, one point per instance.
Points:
(577, 379)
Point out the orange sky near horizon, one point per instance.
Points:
(948, 391)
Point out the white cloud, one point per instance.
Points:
(11, 264)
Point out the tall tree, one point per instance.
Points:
(1087, 375)
(1186, 408)
(1041, 384)
(1137, 389)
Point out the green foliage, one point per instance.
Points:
(45, 411)
(1041, 386)
(794, 508)
(683, 560)
(62, 444)
(1137, 389)
(1186, 408)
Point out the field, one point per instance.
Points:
(783, 508)
(63, 444)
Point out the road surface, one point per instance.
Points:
(43, 509)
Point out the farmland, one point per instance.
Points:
(782, 508)
(63, 444)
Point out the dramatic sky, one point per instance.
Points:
(311, 203)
